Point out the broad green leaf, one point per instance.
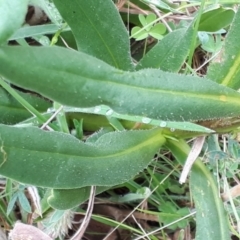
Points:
(225, 69)
(12, 17)
(216, 19)
(209, 206)
(58, 160)
(76, 79)
(11, 111)
(170, 53)
(98, 29)
(69, 198)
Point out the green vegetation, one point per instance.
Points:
(131, 105)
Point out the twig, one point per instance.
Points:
(79, 234)
(159, 229)
(131, 213)
(51, 118)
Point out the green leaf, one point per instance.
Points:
(225, 69)
(157, 31)
(97, 26)
(209, 206)
(216, 19)
(142, 20)
(150, 18)
(58, 160)
(139, 36)
(213, 44)
(24, 202)
(158, 3)
(12, 112)
(59, 73)
(31, 31)
(12, 202)
(169, 213)
(114, 118)
(69, 198)
(12, 17)
(141, 193)
(170, 53)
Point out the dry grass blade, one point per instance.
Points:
(234, 192)
(194, 153)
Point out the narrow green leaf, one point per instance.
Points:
(98, 29)
(24, 202)
(225, 69)
(12, 17)
(12, 203)
(170, 53)
(58, 160)
(31, 31)
(76, 79)
(6, 215)
(216, 19)
(209, 206)
(11, 111)
(110, 114)
(64, 199)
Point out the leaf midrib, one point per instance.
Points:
(117, 154)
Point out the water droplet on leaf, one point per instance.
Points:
(97, 109)
(50, 110)
(163, 124)
(146, 120)
(109, 112)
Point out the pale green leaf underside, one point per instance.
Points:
(76, 79)
(12, 17)
(225, 69)
(57, 160)
(98, 30)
